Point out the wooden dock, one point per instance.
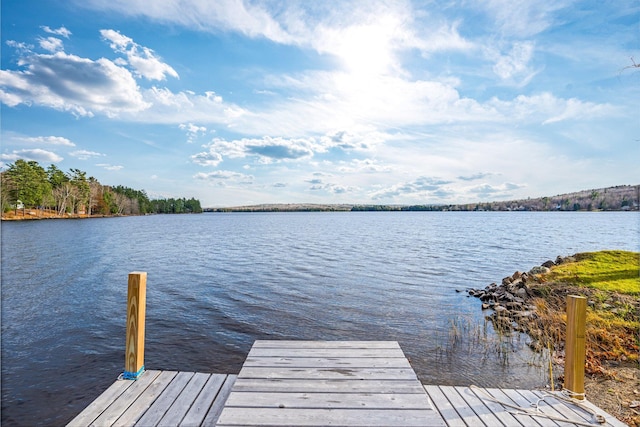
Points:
(319, 383)
(308, 383)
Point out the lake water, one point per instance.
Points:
(217, 282)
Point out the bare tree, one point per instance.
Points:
(121, 202)
(63, 194)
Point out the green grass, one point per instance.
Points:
(614, 271)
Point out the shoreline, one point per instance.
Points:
(35, 215)
(528, 303)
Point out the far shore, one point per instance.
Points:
(35, 214)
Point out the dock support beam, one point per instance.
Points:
(575, 346)
(136, 310)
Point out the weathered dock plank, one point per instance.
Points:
(201, 405)
(281, 344)
(499, 411)
(98, 406)
(327, 386)
(502, 395)
(308, 383)
(474, 406)
(551, 407)
(326, 352)
(327, 362)
(166, 398)
(444, 406)
(328, 417)
(162, 404)
(584, 410)
(184, 400)
(329, 400)
(144, 401)
(214, 413)
(328, 373)
(305, 383)
(122, 403)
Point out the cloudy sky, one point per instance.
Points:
(388, 102)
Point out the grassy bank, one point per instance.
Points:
(535, 303)
(610, 280)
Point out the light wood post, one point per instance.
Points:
(136, 310)
(575, 346)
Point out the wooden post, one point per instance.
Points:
(136, 310)
(575, 346)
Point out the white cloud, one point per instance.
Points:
(52, 44)
(85, 154)
(327, 101)
(62, 31)
(20, 46)
(266, 150)
(318, 184)
(516, 62)
(210, 158)
(546, 108)
(36, 154)
(249, 19)
(225, 178)
(70, 83)
(110, 167)
(358, 166)
(47, 140)
(192, 131)
(366, 36)
(475, 177)
(522, 18)
(142, 59)
(492, 192)
(445, 38)
(169, 107)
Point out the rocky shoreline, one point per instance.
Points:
(526, 302)
(512, 300)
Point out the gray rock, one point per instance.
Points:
(525, 314)
(539, 270)
(508, 296)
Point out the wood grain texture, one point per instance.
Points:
(575, 345)
(136, 311)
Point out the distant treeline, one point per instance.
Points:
(620, 198)
(27, 185)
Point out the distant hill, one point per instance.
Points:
(619, 198)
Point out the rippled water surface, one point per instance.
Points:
(217, 282)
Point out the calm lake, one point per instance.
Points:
(217, 282)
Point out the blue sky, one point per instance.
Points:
(387, 102)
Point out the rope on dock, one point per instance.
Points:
(599, 419)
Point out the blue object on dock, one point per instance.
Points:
(133, 375)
